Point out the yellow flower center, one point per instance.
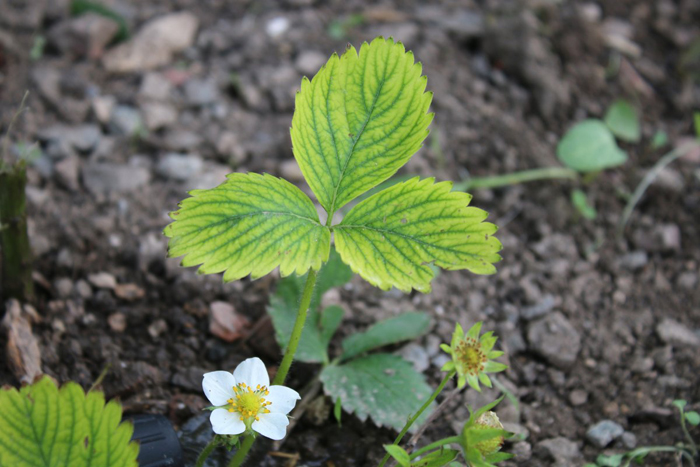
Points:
(470, 355)
(249, 402)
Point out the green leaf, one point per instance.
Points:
(381, 386)
(338, 411)
(499, 457)
(580, 202)
(436, 458)
(680, 404)
(44, 426)
(359, 120)
(320, 327)
(693, 418)
(623, 121)
(589, 147)
(391, 238)
(398, 453)
(249, 224)
(696, 119)
(659, 139)
(406, 326)
(610, 461)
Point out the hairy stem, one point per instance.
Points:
(546, 173)
(281, 375)
(436, 444)
(15, 250)
(206, 452)
(412, 420)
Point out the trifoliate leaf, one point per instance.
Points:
(623, 121)
(359, 120)
(320, 326)
(404, 327)
(381, 386)
(391, 238)
(249, 224)
(41, 425)
(589, 147)
(438, 458)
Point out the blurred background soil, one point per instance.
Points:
(129, 112)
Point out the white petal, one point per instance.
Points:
(252, 372)
(224, 422)
(218, 386)
(272, 425)
(283, 399)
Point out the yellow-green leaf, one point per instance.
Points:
(359, 120)
(41, 425)
(250, 224)
(391, 238)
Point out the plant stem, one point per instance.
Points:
(545, 173)
(436, 444)
(206, 452)
(282, 371)
(15, 250)
(648, 179)
(418, 414)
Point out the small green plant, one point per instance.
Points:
(43, 425)
(356, 123)
(684, 450)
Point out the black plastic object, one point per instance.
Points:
(158, 440)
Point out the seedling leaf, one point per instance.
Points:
(623, 121)
(436, 458)
(44, 426)
(320, 326)
(404, 327)
(589, 147)
(693, 418)
(381, 386)
(249, 224)
(399, 454)
(580, 202)
(359, 120)
(391, 238)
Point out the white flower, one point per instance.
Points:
(245, 401)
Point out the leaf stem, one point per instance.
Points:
(545, 173)
(436, 444)
(282, 371)
(206, 452)
(418, 414)
(648, 179)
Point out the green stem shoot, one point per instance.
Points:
(281, 375)
(206, 452)
(435, 445)
(412, 420)
(545, 173)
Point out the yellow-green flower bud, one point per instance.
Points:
(488, 420)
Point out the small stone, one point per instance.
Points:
(634, 260)
(277, 26)
(117, 322)
(578, 397)
(674, 333)
(603, 433)
(85, 35)
(629, 440)
(230, 147)
(180, 139)
(126, 121)
(157, 115)
(416, 355)
(64, 287)
(670, 235)
(463, 25)
(291, 171)
(102, 107)
(200, 92)
(105, 177)
(189, 378)
(225, 323)
(522, 450)
(103, 280)
(555, 339)
(562, 450)
(536, 311)
(157, 327)
(669, 179)
(155, 86)
(179, 167)
(67, 171)
(309, 62)
(129, 292)
(687, 280)
(154, 45)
